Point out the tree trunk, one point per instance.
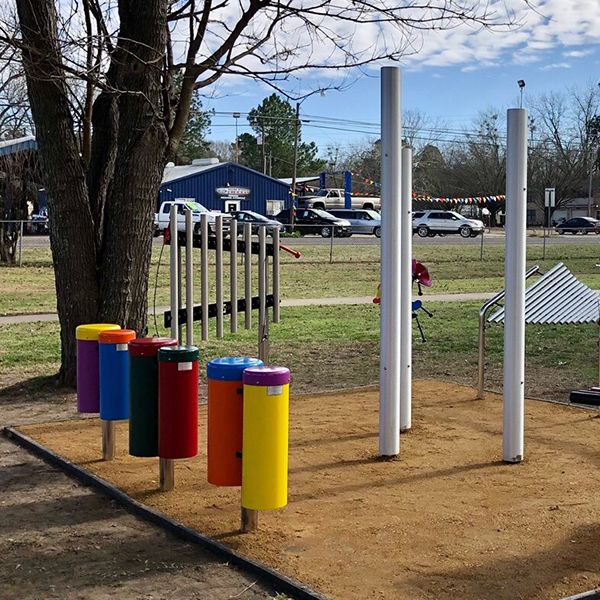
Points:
(71, 224)
(141, 146)
(100, 221)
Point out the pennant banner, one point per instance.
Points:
(365, 180)
(479, 200)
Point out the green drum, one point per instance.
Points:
(143, 394)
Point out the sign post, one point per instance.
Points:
(549, 202)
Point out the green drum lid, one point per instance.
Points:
(178, 354)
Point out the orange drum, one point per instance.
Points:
(225, 418)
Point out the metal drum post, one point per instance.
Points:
(109, 441)
(165, 465)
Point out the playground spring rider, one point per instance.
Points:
(420, 276)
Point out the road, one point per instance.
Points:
(490, 239)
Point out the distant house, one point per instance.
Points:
(224, 186)
(575, 207)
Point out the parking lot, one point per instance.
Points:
(494, 238)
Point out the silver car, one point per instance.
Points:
(362, 220)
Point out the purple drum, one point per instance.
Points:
(88, 396)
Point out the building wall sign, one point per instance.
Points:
(231, 192)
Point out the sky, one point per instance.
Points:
(452, 77)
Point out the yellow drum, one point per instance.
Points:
(265, 438)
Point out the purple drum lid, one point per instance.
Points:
(266, 376)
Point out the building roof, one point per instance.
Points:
(288, 180)
(178, 172)
(172, 172)
(18, 145)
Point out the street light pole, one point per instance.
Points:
(295, 165)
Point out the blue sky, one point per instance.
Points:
(455, 75)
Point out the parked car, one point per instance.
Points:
(162, 217)
(582, 225)
(257, 220)
(429, 223)
(311, 220)
(328, 198)
(362, 221)
(37, 225)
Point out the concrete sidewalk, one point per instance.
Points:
(45, 317)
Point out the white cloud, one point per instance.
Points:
(560, 65)
(543, 34)
(578, 53)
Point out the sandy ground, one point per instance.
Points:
(61, 540)
(446, 520)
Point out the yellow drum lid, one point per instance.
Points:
(92, 331)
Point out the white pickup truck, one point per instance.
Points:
(161, 218)
(334, 198)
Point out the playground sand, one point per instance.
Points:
(447, 519)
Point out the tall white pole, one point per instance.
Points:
(389, 366)
(406, 292)
(189, 277)
(514, 281)
(174, 273)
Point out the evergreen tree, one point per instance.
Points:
(274, 124)
(193, 143)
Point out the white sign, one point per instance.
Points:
(550, 198)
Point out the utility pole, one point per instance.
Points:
(264, 153)
(236, 116)
(295, 165)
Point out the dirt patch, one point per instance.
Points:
(61, 540)
(447, 519)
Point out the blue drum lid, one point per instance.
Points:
(231, 368)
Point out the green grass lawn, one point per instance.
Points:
(337, 346)
(354, 272)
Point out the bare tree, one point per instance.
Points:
(563, 144)
(100, 80)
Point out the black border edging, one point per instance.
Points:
(279, 582)
(591, 595)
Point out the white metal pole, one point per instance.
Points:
(219, 274)
(389, 365)
(174, 272)
(21, 244)
(189, 277)
(248, 275)
(263, 327)
(204, 275)
(233, 284)
(514, 277)
(276, 307)
(406, 292)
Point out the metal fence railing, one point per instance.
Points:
(13, 230)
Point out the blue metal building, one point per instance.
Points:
(225, 187)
